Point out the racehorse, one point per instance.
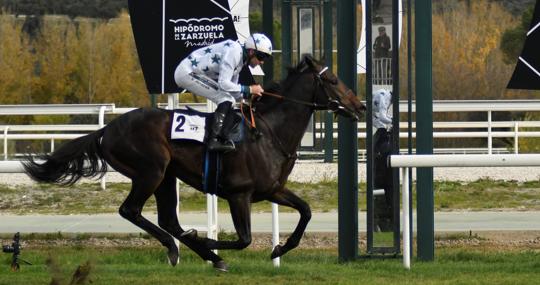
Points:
(137, 144)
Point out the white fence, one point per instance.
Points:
(404, 162)
(468, 129)
(461, 129)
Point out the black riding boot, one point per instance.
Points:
(217, 138)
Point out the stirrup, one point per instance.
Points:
(216, 145)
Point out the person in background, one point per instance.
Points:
(382, 44)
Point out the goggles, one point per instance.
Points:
(261, 56)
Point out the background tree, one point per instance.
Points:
(513, 39)
(16, 64)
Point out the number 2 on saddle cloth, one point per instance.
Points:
(193, 125)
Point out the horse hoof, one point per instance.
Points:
(221, 266)
(173, 256)
(191, 233)
(277, 252)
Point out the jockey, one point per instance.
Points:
(382, 100)
(213, 72)
(382, 148)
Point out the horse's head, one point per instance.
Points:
(331, 93)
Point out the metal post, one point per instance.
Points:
(369, 126)
(396, 14)
(268, 29)
(490, 138)
(286, 45)
(275, 231)
(409, 105)
(329, 60)
(516, 137)
(211, 212)
(6, 129)
(424, 125)
(101, 123)
(153, 100)
(348, 141)
(406, 218)
(172, 101)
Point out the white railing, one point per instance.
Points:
(57, 109)
(442, 129)
(446, 129)
(382, 71)
(404, 162)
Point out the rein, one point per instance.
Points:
(276, 140)
(280, 97)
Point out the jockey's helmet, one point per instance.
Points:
(259, 43)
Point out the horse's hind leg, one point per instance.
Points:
(167, 200)
(141, 189)
(287, 198)
(240, 206)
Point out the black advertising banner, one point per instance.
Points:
(167, 31)
(527, 72)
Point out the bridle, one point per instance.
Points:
(319, 80)
(333, 105)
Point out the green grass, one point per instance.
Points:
(322, 197)
(148, 266)
(487, 194)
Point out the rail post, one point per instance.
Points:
(101, 123)
(348, 137)
(424, 127)
(6, 129)
(275, 231)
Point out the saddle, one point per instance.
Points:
(195, 125)
(191, 124)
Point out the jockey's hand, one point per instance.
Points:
(256, 90)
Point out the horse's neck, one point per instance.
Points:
(288, 123)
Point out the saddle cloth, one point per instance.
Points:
(190, 124)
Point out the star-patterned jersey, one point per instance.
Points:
(222, 62)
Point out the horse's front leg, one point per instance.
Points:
(240, 206)
(287, 198)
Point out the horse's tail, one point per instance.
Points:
(81, 157)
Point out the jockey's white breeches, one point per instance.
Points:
(201, 85)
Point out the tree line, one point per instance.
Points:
(102, 9)
(91, 60)
(477, 42)
(83, 61)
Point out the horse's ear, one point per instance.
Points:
(309, 60)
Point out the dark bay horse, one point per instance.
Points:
(137, 144)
